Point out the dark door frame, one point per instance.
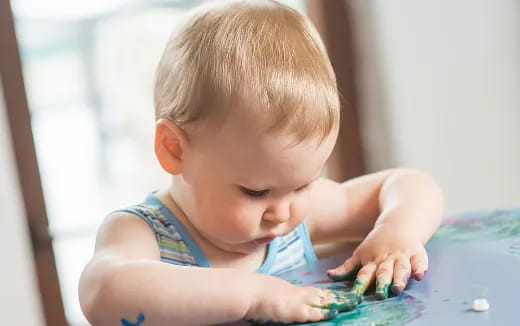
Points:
(333, 19)
(19, 119)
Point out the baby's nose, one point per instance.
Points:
(279, 213)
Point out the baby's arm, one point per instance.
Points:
(395, 212)
(126, 281)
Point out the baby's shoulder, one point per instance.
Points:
(154, 216)
(124, 235)
(175, 244)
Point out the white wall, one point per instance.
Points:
(446, 78)
(19, 298)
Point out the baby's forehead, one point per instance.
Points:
(254, 132)
(252, 150)
(276, 167)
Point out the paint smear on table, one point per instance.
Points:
(394, 311)
(497, 231)
(493, 231)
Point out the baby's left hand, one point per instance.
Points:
(387, 255)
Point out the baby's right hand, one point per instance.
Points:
(276, 300)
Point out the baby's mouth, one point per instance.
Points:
(265, 240)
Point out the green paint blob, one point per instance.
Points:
(345, 301)
(391, 312)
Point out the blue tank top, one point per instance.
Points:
(177, 246)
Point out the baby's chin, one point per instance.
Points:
(245, 248)
(245, 245)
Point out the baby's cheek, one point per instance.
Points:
(244, 222)
(300, 208)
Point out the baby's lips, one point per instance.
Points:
(265, 240)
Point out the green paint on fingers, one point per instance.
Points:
(394, 311)
(382, 290)
(345, 301)
(359, 287)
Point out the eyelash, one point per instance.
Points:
(254, 193)
(263, 193)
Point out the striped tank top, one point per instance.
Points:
(177, 246)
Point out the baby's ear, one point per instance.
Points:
(170, 144)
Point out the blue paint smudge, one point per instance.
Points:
(140, 319)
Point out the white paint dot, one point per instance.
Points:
(480, 304)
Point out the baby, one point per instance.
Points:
(247, 114)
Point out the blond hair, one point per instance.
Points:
(259, 53)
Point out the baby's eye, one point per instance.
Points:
(303, 188)
(254, 193)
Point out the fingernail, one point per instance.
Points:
(332, 313)
(382, 292)
(397, 289)
(381, 288)
(334, 275)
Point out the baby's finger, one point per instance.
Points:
(384, 278)
(318, 313)
(329, 313)
(341, 300)
(347, 271)
(419, 265)
(364, 278)
(401, 274)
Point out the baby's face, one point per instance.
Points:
(242, 188)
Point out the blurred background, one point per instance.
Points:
(433, 85)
